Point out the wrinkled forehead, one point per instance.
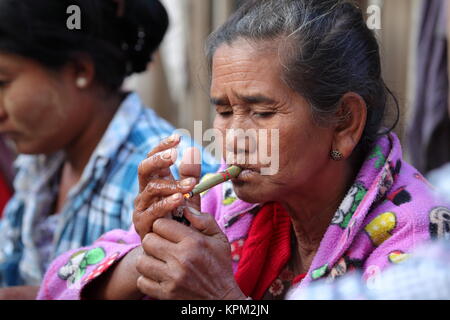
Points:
(254, 48)
(245, 61)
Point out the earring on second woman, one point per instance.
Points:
(81, 82)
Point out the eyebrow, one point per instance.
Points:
(252, 99)
(219, 101)
(255, 99)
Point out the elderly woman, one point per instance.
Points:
(342, 198)
(79, 136)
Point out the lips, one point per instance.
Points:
(6, 130)
(7, 133)
(250, 168)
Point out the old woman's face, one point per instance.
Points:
(248, 93)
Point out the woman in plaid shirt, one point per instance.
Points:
(80, 138)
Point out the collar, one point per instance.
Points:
(120, 127)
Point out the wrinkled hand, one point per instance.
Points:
(181, 262)
(159, 193)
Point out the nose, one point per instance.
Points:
(241, 141)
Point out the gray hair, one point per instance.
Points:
(326, 50)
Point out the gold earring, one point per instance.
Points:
(336, 155)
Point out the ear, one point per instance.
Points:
(348, 132)
(81, 71)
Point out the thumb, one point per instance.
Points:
(204, 223)
(190, 167)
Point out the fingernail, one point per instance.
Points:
(187, 182)
(173, 138)
(176, 197)
(194, 211)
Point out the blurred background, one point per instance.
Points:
(413, 40)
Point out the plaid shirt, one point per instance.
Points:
(101, 201)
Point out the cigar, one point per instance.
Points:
(214, 180)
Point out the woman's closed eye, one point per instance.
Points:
(3, 84)
(228, 113)
(224, 111)
(266, 114)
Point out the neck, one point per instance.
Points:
(312, 210)
(80, 150)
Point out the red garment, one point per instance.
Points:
(299, 278)
(5, 194)
(266, 250)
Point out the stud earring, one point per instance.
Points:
(81, 82)
(336, 155)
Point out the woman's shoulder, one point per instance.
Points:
(407, 215)
(411, 204)
(414, 192)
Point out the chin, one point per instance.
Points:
(249, 193)
(24, 148)
(31, 149)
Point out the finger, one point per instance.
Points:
(158, 247)
(150, 288)
(164, 173)
(172, 230)
(190, 166)
(171, 142)
(151, 167)
(143, 220)
(203, 222)
(168, 143)
(158, 188)
(152, 268)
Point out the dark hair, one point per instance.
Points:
(326, 50)
(119, 43)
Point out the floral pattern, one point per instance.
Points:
(236, 249)
(76, 267)
(280, 286)
(276, 288)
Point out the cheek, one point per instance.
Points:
(221, 125)
(302, 148)
(38, 112)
